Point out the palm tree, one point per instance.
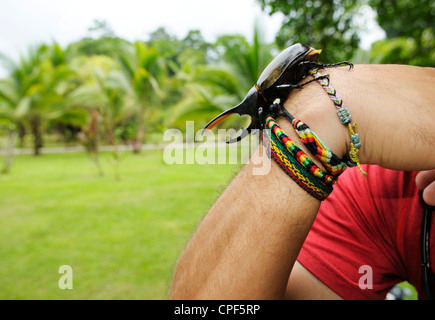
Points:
(247, 60)
(213, 89)
(208, 90)
(108, 97)
(37, 85)
(8, 124)
(143, 68)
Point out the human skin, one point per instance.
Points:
(246, 246)
(425, 181)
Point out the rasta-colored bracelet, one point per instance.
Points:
(345, 118)
(297, 153)
(332, 163)
(295, 162)
(290, 165)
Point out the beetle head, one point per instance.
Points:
(290, 67)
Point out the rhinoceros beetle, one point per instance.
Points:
(276, 81)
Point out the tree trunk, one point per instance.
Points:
(92, 135)
(115, 152)
(36, 129)
(140, 134)
(9, 150)
(21, 133)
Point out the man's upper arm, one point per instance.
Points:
(303, 285)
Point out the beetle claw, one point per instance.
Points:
(244, 133)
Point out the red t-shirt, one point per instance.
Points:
(368, 226)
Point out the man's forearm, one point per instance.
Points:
(394, 106)
(247, 244)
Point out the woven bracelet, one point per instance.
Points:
(295, 163)
(345, 118)
(298, 154)
(332, 163)
(296, 171)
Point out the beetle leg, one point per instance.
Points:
(244, 133)
(261, 117)
(291, 86)
(300, 86)
(326, 76)
(314, 65)
(343, 63)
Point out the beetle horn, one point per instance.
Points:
(222, 117)
(243, 108)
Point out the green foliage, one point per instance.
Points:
(246, 60)
(37, 87)
(335, 27)
(409, 26)
(143, 67)
(401, 51)
(323, 24)
(405, 18)
(213, 89)
(192, 49)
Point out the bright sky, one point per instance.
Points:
(27, 22)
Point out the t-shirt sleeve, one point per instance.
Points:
(354, 244)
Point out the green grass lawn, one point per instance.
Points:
(121, 238)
